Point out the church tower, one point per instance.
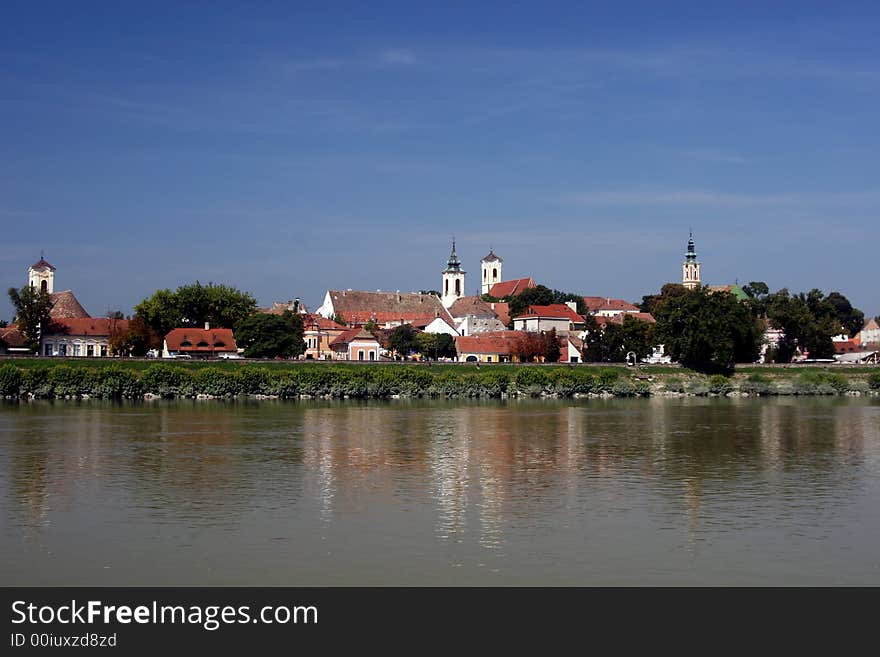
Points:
(453, 280)
(41, 275)
(690, 270)
(491, 271)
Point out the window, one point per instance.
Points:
(372, 355)
(458, 287)
(360, 354)
(484, 274)
(494, 273)
(446, 289)
(103, 350)
(219, 344)
(202, 344)
(47, 349)
(62, 350)
(90, 350)
(488, 359)
(44, 286)
(186, 343)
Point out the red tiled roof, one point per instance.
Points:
(617, 304)
(473, 305)
(512, 287)
(360, 318)
(594, 303)
(602, 320)
(65, 304)
(359, 306)
(42, 264)
(871, 325)
(349, 336)
(87, 326)
(318, 323)
(12, 337)
(846, 346)
(498, 342)
(553, 311)
(201, 340)
(502, 309)
(423, 322)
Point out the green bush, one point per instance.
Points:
(10, 380)
(115, 382)
(874, 381)
(698, 388)
(67, 381)
(531, 381)
(167, 381)
(36, 382)
(216, 382)
(720, 384)
(607, 378)
(820, 382)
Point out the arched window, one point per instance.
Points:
(446, 289)
(458, 287)
(202, 344)
(186, 343)
(494, 273)
(219, 344)
(44, 286)
(360, 354)
(484, 274)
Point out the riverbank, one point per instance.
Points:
(42, 379)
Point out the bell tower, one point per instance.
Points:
(490, 267)
(41, 275)
(453, 280)
(690, 269)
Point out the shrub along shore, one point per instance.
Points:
(39, 379)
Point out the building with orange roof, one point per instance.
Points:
(559, 316)
(356, 344)
(199, 342)
(511, 288)
(495, 347)
(81, 336)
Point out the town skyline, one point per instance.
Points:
(289, 150)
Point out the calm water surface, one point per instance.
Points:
(624, 492)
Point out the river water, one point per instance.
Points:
(594, 492)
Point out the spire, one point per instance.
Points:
(691, 254)
(453, 264)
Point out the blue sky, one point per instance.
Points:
(286, 148)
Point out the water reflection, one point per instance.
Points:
(599, 481)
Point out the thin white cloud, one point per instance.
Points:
(398, 57)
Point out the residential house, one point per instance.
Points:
(497, 347)
(473, 315)
(12, 342)
(80, 336)
(870, 333)
(384, 309)
(613, 307)
(319, 332)
(356, 344)
(559, 316)
(199, 342)
(570, 349)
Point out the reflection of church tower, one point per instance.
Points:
(41, 275)
(491, 271)
(690, 270)
(453, 279)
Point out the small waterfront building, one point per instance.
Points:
(319, 332)
(559, 316)
(497, 347)
(12, 342)
(199, 342)
(356, 344)
(473, 315)
(88, 337)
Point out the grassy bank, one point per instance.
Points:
(60, 379)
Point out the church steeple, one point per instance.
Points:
(453, 279)
(490, 267)
(690, 270)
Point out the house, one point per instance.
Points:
(12, 341)
(612, 307)
(497, 347)
(318, 333)
(355, 344)
(199, 342)
(385, 309)
(473, 315)
(570, 349)
(511, 288)
(280, 307)
(870, 333)
(436, 325)
(559, 316)
(81, 336)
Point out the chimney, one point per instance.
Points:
(207, 326)
(572, 304)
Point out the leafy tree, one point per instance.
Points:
(615, 341)
(3, 323)
(529, 347)
(370, 327)
(32, 308)
(137, 340)
(433, 292)
(339, 319)
(436, 345)
(807, 321)
(851, 319)
(638, 336)
(539, 296)
(650, 302)
(193, 305)
(115, 314)
(756, 289)
(446, 346)
(551, 346)
(707, 332)
(403, 340)
(264, 335)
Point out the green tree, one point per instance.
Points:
(529, 347)
(137, 340)
(339, 319)
(403, 340)
(270, 336)
(638, 336)
(707, 332)
(807, 321)
(650, 302)
(3, 323)
(850, 318)
(193, 305)
(551, 346)
(32, 308)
